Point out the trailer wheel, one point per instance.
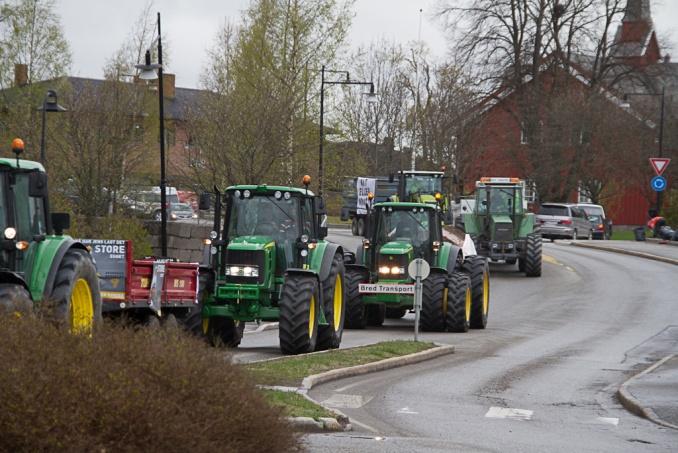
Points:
(15, 299)
(355, 307)
(334, 299)
(533, 256)
(478, 270)
(459, 303)
(224, 332)
(432, 303)
(298, 327)
(354, 226)
(76, 296)
(375, 314)
(395, 313)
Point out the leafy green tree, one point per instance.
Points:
(257, 122)
(32, 35)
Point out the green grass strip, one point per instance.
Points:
(295, 405)
(290, 371)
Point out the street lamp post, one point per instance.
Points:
(661, 135)
(148, 72)
(49, 104)
(371, 98)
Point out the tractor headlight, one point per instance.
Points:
(242, 271)
(213, 235)
(436, 246)
(304, 238)
(509, 246)
(495, 245)
(396, 270)
(384, 270)
(10, 233)
(173, 216)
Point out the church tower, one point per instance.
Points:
(636, 43)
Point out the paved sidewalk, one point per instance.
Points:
(642, 249)
(653, 393)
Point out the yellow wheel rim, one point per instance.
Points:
(467, 304)
(311, 317)
(82, 307)
(205, 325)
(486, 293)
(338, 302)
(445, 302)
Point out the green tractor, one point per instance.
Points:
(271, 262)
(501, 227)
(419, 186)
(456, 294)
(38, 263)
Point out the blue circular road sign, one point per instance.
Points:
(658, 183)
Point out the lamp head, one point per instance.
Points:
(148, 70)
(371, 96)
(17, 146)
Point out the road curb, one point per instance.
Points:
(632, 404)
(648, 256)
(310, 381)
(342, 422)
(342, 226)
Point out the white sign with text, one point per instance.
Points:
(363, 187)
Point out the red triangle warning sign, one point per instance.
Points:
(659, 164)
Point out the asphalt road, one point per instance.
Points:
(542, 377)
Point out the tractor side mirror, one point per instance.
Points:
(37, 184)
(322, 228)
(391, 177)
(319, 205)
(205, 201)
(60, 221)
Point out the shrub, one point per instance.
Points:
(127, 390)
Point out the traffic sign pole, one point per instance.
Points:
(418, 270)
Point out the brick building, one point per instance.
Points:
(612, 154)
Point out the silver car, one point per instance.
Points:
(563, 221)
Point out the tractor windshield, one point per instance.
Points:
(501, 200)
(411, 225)
(427, 184)
(263, 215)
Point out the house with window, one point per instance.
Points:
(577, 141)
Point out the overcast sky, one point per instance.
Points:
(96, 28)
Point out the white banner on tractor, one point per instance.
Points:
(363, 187)
(385, 288)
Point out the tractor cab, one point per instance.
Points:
(24, 210)
(261, 218)
(401, 232)
(500, 202)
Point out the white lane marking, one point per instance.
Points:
(608, 420)
(346, 401)
(355, 384)
(406, 410)
(508, 412)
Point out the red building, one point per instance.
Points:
(575, 149)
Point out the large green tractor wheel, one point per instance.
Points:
(533, 255)
(15, 299)
(334, 300)
(432, 303)
(76, 296)
(298, 326)
(221, 331)
(356, 317)
(375, 314)
(192, 322)
(477, 268)
(395, 313)
(459, 301)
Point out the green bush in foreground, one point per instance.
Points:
(126, 390)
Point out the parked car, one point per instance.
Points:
(598, 211)
(563, 221)
(180, 211)
(146, 203)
